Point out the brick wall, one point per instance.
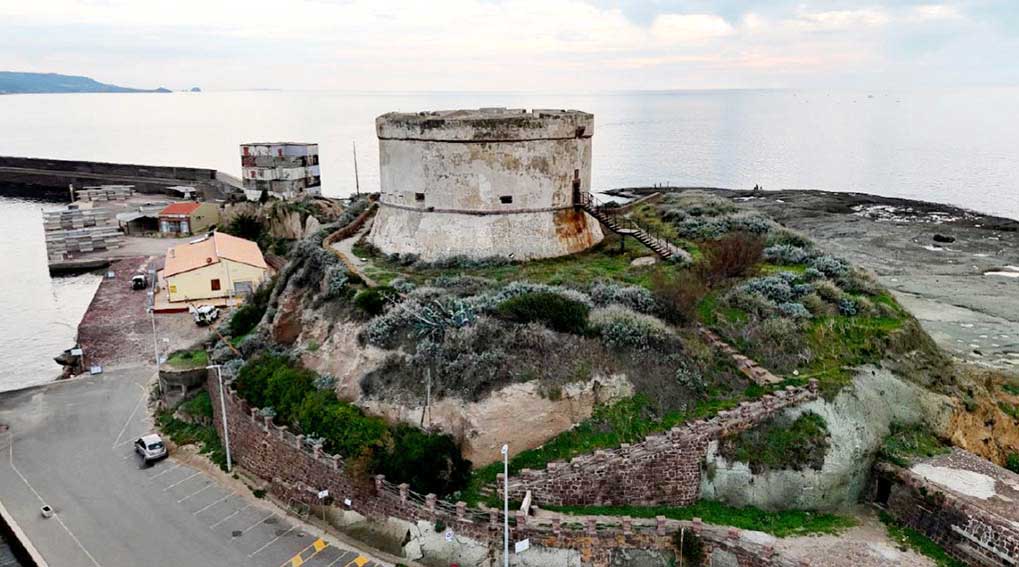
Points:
(297, 471)
(967, 532)
(662, 469)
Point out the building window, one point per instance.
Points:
(506, 199)
(215, 285)
(419, 196)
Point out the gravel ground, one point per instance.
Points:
(866, 545)
(117, 329)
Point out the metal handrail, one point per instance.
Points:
(587, 200)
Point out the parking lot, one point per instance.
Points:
(70, 446)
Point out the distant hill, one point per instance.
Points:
(12, 83)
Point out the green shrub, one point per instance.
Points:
(300, 399)
(781, 446)
(373, 300)
(247, 226)
(1012, 462)
(553, 310)
(430, 462)
(198, 406)
(678, 296)
(906, 443)
(244, 319)
(621, 328)
(343, 426)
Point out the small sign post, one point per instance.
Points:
(522, 546)
(448, 534)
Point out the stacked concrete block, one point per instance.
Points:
(105, 193)
(74, 231)
(286, 170)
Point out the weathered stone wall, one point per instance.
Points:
(662, 469)
(967, 532)
(297, 472)
(50, 177)
(484, 183)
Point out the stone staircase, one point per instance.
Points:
(624, 226)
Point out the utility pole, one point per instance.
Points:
(222, 413)
(357, 181)
(505, 505)
(155, 343)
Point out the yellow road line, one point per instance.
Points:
(297, 560)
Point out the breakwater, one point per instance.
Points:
(49, 178)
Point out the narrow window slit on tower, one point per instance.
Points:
(506, 199)
(419, 196)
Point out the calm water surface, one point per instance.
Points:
(955, 146)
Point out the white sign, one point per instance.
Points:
(322, 494)
(347, 502)
(522, 546)
(95, 370)
(77, 352)
(448, 535)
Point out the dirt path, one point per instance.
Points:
(866, 545)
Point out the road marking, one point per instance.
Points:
(129, 418)
(360, 560)
(37, 495)
(340, 558)
(272, 541)
(174, 467)
(182, 480)
(247, 529)
(207, 486)
(230, 516)
(298, 559)
(213, 504)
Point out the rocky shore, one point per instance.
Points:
(956, 270)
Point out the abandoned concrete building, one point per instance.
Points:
(286, 170)
(487, 182)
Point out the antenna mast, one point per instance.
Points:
(357, 181)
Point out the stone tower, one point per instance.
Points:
(488, 182)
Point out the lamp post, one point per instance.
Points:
(505, 505)
(222, 413)
(155, 343)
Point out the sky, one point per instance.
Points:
(515, 45)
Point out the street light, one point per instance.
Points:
(222, 413)
(505, 505)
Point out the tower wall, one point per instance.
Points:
(483, 183)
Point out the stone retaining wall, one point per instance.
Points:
(297, 472)
(662, 469)
(967, 532)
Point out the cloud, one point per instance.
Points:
(684, 28)
(499, 44)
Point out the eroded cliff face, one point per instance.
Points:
(523, 415)
(980, 425)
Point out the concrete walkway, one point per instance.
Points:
(345, 250)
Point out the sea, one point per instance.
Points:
(957, 146)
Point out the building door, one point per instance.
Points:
(577, 202)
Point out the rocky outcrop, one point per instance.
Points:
(858, 420)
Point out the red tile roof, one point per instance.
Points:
(183, 208)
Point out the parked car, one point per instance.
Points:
(205, 314)
(139, 281)
(150, 447)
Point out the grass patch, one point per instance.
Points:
(908, 443)
(1011, 389)
(909, 538)
(768, 268)
(711, 308)
(199, 406)
(1010, 409)
(840, 343)
(188, 359)
(779, 524)
(780, 445)
(204, 437)
(604, 261)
